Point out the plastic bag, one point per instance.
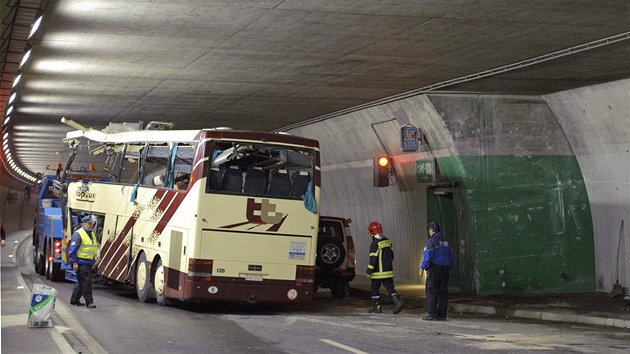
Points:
(42, 304)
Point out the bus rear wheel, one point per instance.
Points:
(160, 285)
(144, 288)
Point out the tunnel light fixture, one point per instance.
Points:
(9, 110)
(6, 121)
(35, 26)
(17, 80)
(25, 58)
(12, 97)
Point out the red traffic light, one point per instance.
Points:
(382, 171)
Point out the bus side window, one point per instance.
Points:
(255, 181)
(216, 179)
(299, 183)
(232, 180)
(279, 183)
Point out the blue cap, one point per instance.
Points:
(87, 219)
(435, 226)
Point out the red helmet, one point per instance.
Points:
(375, 228)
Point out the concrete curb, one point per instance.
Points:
(541, 315)
(518, 313)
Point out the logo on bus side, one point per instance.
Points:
(263, 212)
(85, 196)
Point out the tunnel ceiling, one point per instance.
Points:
(269, 64)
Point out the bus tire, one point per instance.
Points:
(144, 288)
(330, 253)
(160, 285)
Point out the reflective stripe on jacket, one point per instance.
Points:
(381, 259)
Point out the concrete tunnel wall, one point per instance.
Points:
(523, 220)
(16, 210)
(596, 120)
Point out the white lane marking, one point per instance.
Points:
(339, 345)
(65, 318)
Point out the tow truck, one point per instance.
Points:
(49, 246)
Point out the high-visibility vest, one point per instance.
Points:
(89, 246)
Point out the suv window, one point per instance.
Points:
(328, 228)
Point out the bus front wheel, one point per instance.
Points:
(144, 288)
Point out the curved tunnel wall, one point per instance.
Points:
(18, 209)
(524, 215)
(596, 120)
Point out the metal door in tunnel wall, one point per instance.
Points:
(441, 209)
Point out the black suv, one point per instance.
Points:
(336, 264)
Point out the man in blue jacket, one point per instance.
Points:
(83, 251)
(439, 257)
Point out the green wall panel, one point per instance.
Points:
(529, 227)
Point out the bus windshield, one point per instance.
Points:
(259, 169)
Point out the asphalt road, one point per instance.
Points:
(121, 324)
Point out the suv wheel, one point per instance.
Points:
(330, 253)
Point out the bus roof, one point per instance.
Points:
(165, 136)
(137, 136)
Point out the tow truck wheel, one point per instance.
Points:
(53, 270)
(48, 263)
(159, 284)
(36, 260)
(144, 288)
(56, 274)
(41, 264)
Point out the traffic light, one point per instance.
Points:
(382, 170)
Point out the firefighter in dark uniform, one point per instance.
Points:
(438, 259)
(82, 253)
(381, 270)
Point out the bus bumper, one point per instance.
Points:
(238, 289)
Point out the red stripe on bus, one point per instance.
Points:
(105, 250)
(168, 213)
(112, 256)
(125, 230)
(121, 256)
(122, 253)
